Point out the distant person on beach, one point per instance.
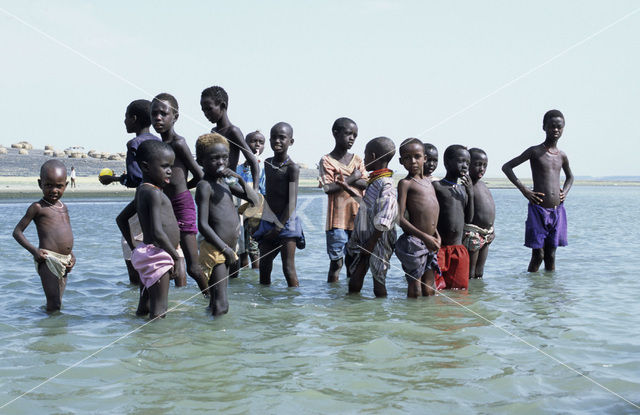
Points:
(280, 229)
(54, 256)
(374, 235)
(479, 233)
(72, 177)
(417, 248)
(218, 221)
(342, 208)
(214, 102)
(156, 256)
(430, 160)
(546, 225)
(456, 209)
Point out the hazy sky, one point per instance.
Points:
(398, 68)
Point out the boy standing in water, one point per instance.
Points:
(479, 234)
(342, 207)
(218, 220)
(54, 256)
(280, 229)
(546, 226)
(456, 209)
(430, 160)
(374, 235)
(417, 248)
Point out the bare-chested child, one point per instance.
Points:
(54, 256)
(280, 229)
(342, 207)
(417, 248)
(546, 226)
(456, 209)
(218, 221)
(479, 233)
(214, 102)
(374, 234)
(430, 160)
(156, 256)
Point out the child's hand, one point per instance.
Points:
(353, 177)
(229, 255)
(341, 181)
(227, 172)
(536, 197)
(465, 180)
(562, 196)
(40, 256)
(431, 243)
(72, 263)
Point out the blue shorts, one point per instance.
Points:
(337, 242)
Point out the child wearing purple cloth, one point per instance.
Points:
(546, 226)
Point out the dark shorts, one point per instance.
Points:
(545, 227)
(415, 257)
(185, 210)
(292, 229)
(337, 243)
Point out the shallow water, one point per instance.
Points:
(315, 350)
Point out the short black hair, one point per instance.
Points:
(253, 134)
(476, 150)
(408, 141)
(551, 114)
(149, 148)
(283, 124)
(173, 102)
(452, 149)
(428, 147)
(217, 94)
(141, 108)
(384, 148)
(52, 165)
(341, 122)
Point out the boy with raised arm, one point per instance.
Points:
(280, 229)
(478, 234)
(218, 221)
(54, 256)
(430, 160)
(456, 209)
(546, 226)
(342, 207)
(417, 248)
(374, 235)
(214, 102)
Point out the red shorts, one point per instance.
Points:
(454, 265)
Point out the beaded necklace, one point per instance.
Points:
(377, 174)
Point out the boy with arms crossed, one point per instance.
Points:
(546, 226)
(417, 248)
(54, 256)
(218, 221)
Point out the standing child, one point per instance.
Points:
(479, 233)
(280, 229)
(546, 226)
(155, 257)
(456, 209)
(374, 235)
(430, 160)
(417, 248)
(342, 207)
(72, 176)
(218, 220)
(53, 256)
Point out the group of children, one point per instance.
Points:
(447, 224)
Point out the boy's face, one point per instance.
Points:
(162, 116)
(129, 122)
(158, 169)
(280, 139)
(53, 184)
(345, 135)
(210, 110)
(215, 160)
(412, 158)
(256, 143)
(430, 161)
(458, 164)
(478, 166)
(554, 127)
(369, 159)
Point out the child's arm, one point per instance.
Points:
(184, 154)
(203, 198)
(430, 241)
(469, 207)
(507, 168)
(340, 181)
(568, 181)
(241, 189)
(18, 232)
(122, 220)
(294, 173)
(238, 139)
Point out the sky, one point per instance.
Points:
(477, 73)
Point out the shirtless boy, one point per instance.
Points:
(342, 207)
(280, 229)
(430, 160)
(214, 102)
(155, 257)
(479, 234)
(218, 221)
(546, 226)
(53, 256)
(374, 235)
(417, 248)
(456, 209)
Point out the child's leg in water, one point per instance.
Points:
(288, 256)
(218, 290)
(190, 247)
(53, 287)
(159, 297)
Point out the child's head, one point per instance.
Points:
(164, 112)
(345, 132)
(479, 161)
(53, 180)
(412, 156)
(214, 102)
(255, 141)
(138, 115)
(456, 160)
(212, 153)
(281, 137)
(430, 159)
(378, 152)
(553, 124)
(155, 159)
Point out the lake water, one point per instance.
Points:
(313, 349)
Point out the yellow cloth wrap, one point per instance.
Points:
(209, 257)
(57, 263)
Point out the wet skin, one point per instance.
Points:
(484, 210)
